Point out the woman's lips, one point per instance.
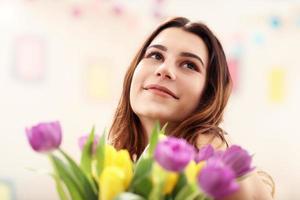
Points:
(160, 90)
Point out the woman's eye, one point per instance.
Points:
(190, 65)
(155, 55)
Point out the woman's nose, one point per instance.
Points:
(165, 70)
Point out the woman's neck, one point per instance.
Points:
(148, 125)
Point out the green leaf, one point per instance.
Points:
(154, 138)
(100, 153)
(60, 187)
(141, 181)
(86, 156)
(156, 192)
(169, 197)
(143, 167)
(188, 192)
(159, 183)
(85, 180)
(143, 186)
(129, 196)
(64, 174)
(202, 197)
(163, 130)
(182, 181)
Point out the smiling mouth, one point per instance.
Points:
(161, 92)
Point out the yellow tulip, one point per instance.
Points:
(117, 173)
(170, 183)
(124, 162)
(192, 169)
(111, 183)
(161, 175)
(109, 155)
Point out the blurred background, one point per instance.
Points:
(65, 60)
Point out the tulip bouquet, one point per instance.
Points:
(169, 168)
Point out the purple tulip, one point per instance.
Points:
(204, 153)
(83, 139)
(217, 180)
(45, 137)
(238, 160)
(174, 154)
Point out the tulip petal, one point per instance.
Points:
(111, 183)
(192, 170)
(204, 153)
(217, 180)
(45, 137)
(238, 159)
(167, 148)
(123, 161)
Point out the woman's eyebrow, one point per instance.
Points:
(183, 54)
(158, 46)
(191, 55)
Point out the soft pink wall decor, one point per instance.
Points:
(29, 60)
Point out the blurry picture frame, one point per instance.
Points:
(7, 190)
(29, 58)
(276, 84)
(98, 80)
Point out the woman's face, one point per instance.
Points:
(168, 81)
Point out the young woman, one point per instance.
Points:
(180, 77)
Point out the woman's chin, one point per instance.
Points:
(160, 115)
(157, 110)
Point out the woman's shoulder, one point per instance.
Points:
(252, 187)
(259, 176)
(215, 140)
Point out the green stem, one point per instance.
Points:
(59, 185)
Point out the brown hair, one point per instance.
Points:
(126, 130)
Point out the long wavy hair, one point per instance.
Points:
(126, 131)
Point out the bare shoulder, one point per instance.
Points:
(251, 188)
(258, 185)
(214, 140)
